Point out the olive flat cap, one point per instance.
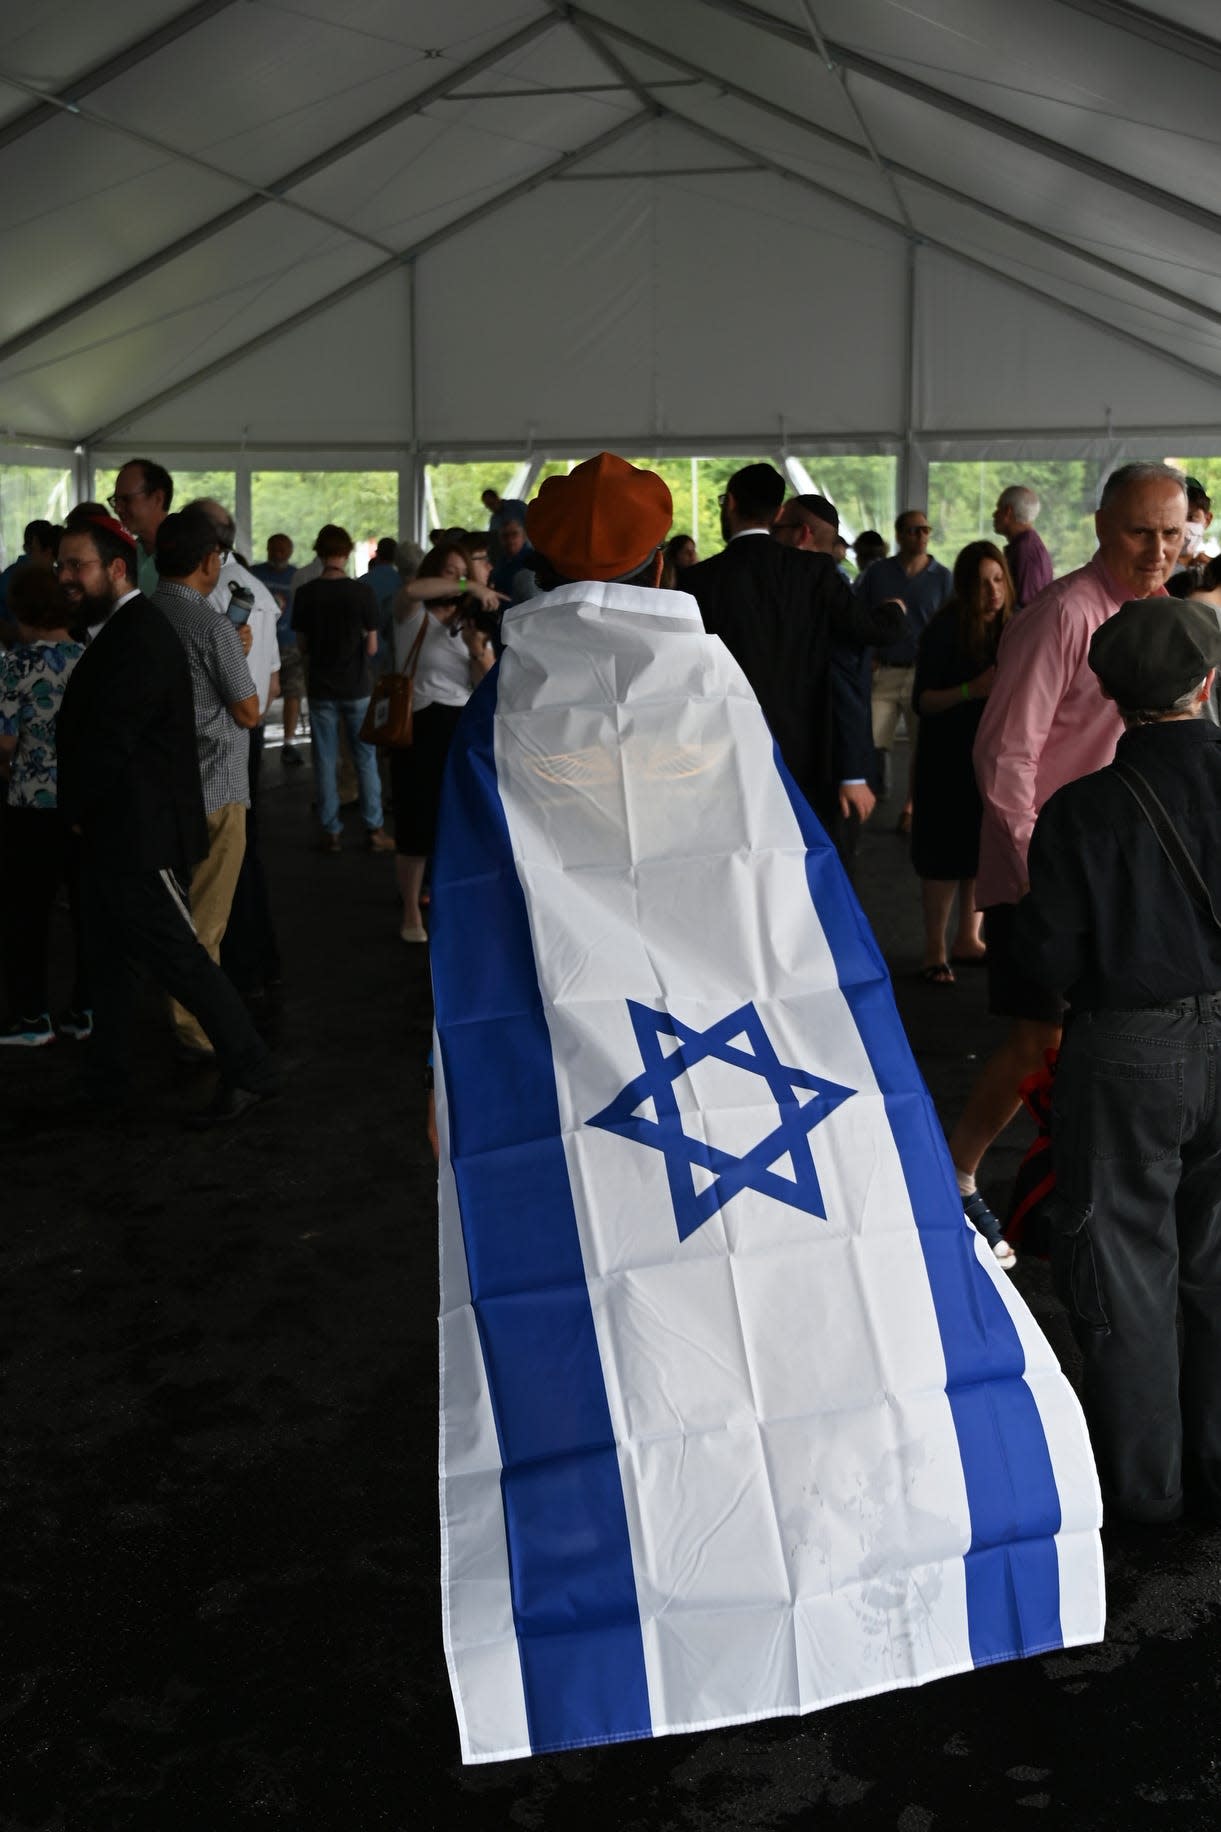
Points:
(1154, 650)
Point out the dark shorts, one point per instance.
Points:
(1011, 992)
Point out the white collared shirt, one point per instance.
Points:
(264, 657)
(93, 628)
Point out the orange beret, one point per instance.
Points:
(602, 521)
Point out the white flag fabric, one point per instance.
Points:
(738, 1416)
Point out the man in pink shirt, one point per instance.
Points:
(1046, 723)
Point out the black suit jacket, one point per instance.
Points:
(125, 746)
(791, 622)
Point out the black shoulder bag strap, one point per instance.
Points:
(1170, 840)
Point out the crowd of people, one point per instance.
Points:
(142, 656)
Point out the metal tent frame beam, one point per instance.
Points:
(943, 442)
(911, 174)
(405, 258)
(966, 260)
(275, 192)
(824, 51)
(999, 125)
(91, 80)
(1167, 34)
(914, 240)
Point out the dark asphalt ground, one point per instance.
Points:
(218, 1543)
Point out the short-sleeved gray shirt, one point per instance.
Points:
(219, 679)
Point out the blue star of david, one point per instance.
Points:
(741, 1041)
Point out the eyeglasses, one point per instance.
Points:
(916, 528)
(75, 566)
(127, 496)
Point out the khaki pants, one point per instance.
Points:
(212, 884)
(890, 695)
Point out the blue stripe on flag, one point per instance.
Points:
(570, 1557)
(1012, 1569)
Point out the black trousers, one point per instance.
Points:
(135, 920)
(40, 855)
(1136, 1245)
(249, 951)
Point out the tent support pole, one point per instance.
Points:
(243, 505)
(411, 498)
(913, 466)
(412, 513)
(82, 465)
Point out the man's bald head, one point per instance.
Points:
(220, 518)
(1140, 524)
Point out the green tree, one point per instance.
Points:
(30, 493)
(456, 489)
(962, 497)
(863, 488)
(188, 485)
(297, 503)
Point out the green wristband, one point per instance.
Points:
(965, 690)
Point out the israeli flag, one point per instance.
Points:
(738, 1416)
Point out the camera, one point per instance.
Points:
(486, 622)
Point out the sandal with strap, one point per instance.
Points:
(940, 973)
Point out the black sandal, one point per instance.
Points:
(939, 974)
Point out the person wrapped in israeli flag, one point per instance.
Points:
(739, 1417)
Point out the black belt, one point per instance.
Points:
(1198, 1005)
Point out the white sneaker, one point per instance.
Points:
(28, 1033)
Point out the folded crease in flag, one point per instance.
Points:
(739, 1417)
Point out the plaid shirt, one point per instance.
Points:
(219, 679)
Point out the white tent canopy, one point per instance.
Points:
(448, 228)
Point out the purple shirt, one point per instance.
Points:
(1030, 564)
(1046, 721)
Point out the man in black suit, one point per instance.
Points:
(790, 621)
(129, 785)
